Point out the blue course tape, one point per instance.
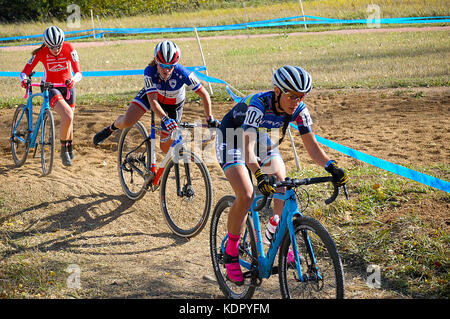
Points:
(254, 24)
(394, 168)
(388, 166)
(100, 73)
(210, 79)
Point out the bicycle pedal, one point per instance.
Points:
(274, 270)
(250, 275)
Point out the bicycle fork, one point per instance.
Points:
(312, 271)
(292, 212)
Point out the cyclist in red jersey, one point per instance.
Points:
(58, 58)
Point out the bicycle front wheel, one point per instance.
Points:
(247, 252)
(19, 137)
(133, 160)
(321, 266)
(186, 194)
(47, 142)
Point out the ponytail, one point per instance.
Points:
(152, 63)
(35, 51)
(287, 117)
(287, 120)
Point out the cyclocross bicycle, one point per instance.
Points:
(25, 135)
(309, 265)
(182, 177)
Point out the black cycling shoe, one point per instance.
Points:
(101, 136)
(66, 160)
(71, 153)
(227, 260)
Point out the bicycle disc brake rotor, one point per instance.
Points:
(188, 192)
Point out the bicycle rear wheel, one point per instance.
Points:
(47, 142)
(247, 251)
(186, 194)
(324, 278)
(20, 143)
(134, 160)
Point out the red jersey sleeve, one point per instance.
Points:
(74, 59)
(32, 63)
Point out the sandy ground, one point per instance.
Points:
(79, 215)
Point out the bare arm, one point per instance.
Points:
(206, 99)
(314, 150)
(154, 104)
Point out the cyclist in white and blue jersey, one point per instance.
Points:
(245, 142)
(163, 93)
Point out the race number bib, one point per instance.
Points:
(194, 80)
(253, 116)
(306, 117)
(148, 82)
(75, 57)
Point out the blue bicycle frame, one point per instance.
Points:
(29, 108)
(286, 223)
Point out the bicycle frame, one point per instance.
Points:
(176, 144)
(154, 173)
(286, 223)
(29, 108)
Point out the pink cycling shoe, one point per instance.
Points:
(234, 272)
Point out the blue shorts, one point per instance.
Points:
(229, 147)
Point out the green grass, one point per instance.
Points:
(377, 60)
(29, 276)
(382, 224)
(217, 15)
(381, 60)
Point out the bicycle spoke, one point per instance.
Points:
(133, 157)
(47, 142)
(186, 195)
(247, 249)
(321, 276)
(19, 136)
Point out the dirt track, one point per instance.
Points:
(79, 215)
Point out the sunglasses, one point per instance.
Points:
(55, 48)
(297, 98)
(166, 66)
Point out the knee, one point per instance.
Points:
(124, 121)
(245, 199)
(127, 123)
(67, 114)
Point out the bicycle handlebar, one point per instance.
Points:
(291, 183)
(189, 125)
(44, 86)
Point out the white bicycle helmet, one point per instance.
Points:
(292, 78)
(53, 36)
(167, 52)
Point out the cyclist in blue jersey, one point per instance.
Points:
(245, 142)
(164, 93)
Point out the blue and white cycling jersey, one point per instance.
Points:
(172, 91)
(255, 111)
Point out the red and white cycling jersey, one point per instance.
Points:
(57, 68)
